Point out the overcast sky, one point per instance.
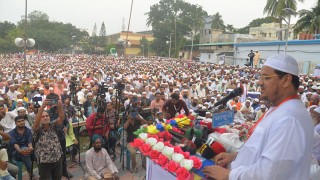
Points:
(84, 13)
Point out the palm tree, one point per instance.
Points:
(309, 20)
(217, 22)
(275, 8)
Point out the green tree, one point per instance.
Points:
(275, 8)
(230, 28)
(102, 30)
(217, 22)
(175, 17)
(5, 27)
(309, 20)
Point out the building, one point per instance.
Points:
(271, 31)
(136, 48)
(306, 52)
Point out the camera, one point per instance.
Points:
(53, 102)
(37, 99)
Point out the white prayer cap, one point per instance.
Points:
(284, 63)
(19, 100)
(51, 88)
(1, 99)
(21, 108)
(19, 93)
(256, 99)
(41, 89)
(314, 87)
(263, 106)
(302, 87)
(110, 88)
(65, 89)
(207, 112)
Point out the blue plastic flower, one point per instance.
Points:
(173, 123)
(160, 127)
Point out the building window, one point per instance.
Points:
(209, 56)
(209, 31)
(269, 34)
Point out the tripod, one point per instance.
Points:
(78, 112)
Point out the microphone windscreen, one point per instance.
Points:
(206, 151)
(217, 147)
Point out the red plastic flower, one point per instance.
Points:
(161, 135)
(154, 154)
(162, 160)
(153, 136)
(137, 142)
(167, 143)
(172, 166)
(168, 136)
(145, 149)
(196, 162)
(186, 155)
(182, 174)
(177, 149)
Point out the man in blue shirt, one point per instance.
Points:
(21, 141)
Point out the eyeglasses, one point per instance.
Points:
(264, 77)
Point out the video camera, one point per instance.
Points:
(36, 100)
(73, 84)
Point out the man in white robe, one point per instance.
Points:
(281, 144)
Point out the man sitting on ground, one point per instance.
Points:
(98, 162)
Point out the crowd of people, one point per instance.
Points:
(41, 102)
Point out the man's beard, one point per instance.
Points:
(97, 149)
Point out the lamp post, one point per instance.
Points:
(25, 42)
(169, 42)
(289, 12)
(192, 38)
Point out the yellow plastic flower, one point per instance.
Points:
(152, 129)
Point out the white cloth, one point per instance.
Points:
(8, 122)
(97, 163)
(279, 148)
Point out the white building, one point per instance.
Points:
(306, 52)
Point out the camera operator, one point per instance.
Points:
(96, 124)
(174, 106)
(48, 149)
(54, 114)
(134, 121)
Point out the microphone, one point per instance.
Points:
(236, 92)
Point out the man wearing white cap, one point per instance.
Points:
(279, 145)
(12, 93)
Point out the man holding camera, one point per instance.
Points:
(54, 114)
(96, 123)
(48, 149)
(133, 123)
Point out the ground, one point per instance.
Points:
(77, 171)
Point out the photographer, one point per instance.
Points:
(96, 124)
(134, 121)
(48, 149)
(54, 114)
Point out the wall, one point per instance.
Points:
(307, 53)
